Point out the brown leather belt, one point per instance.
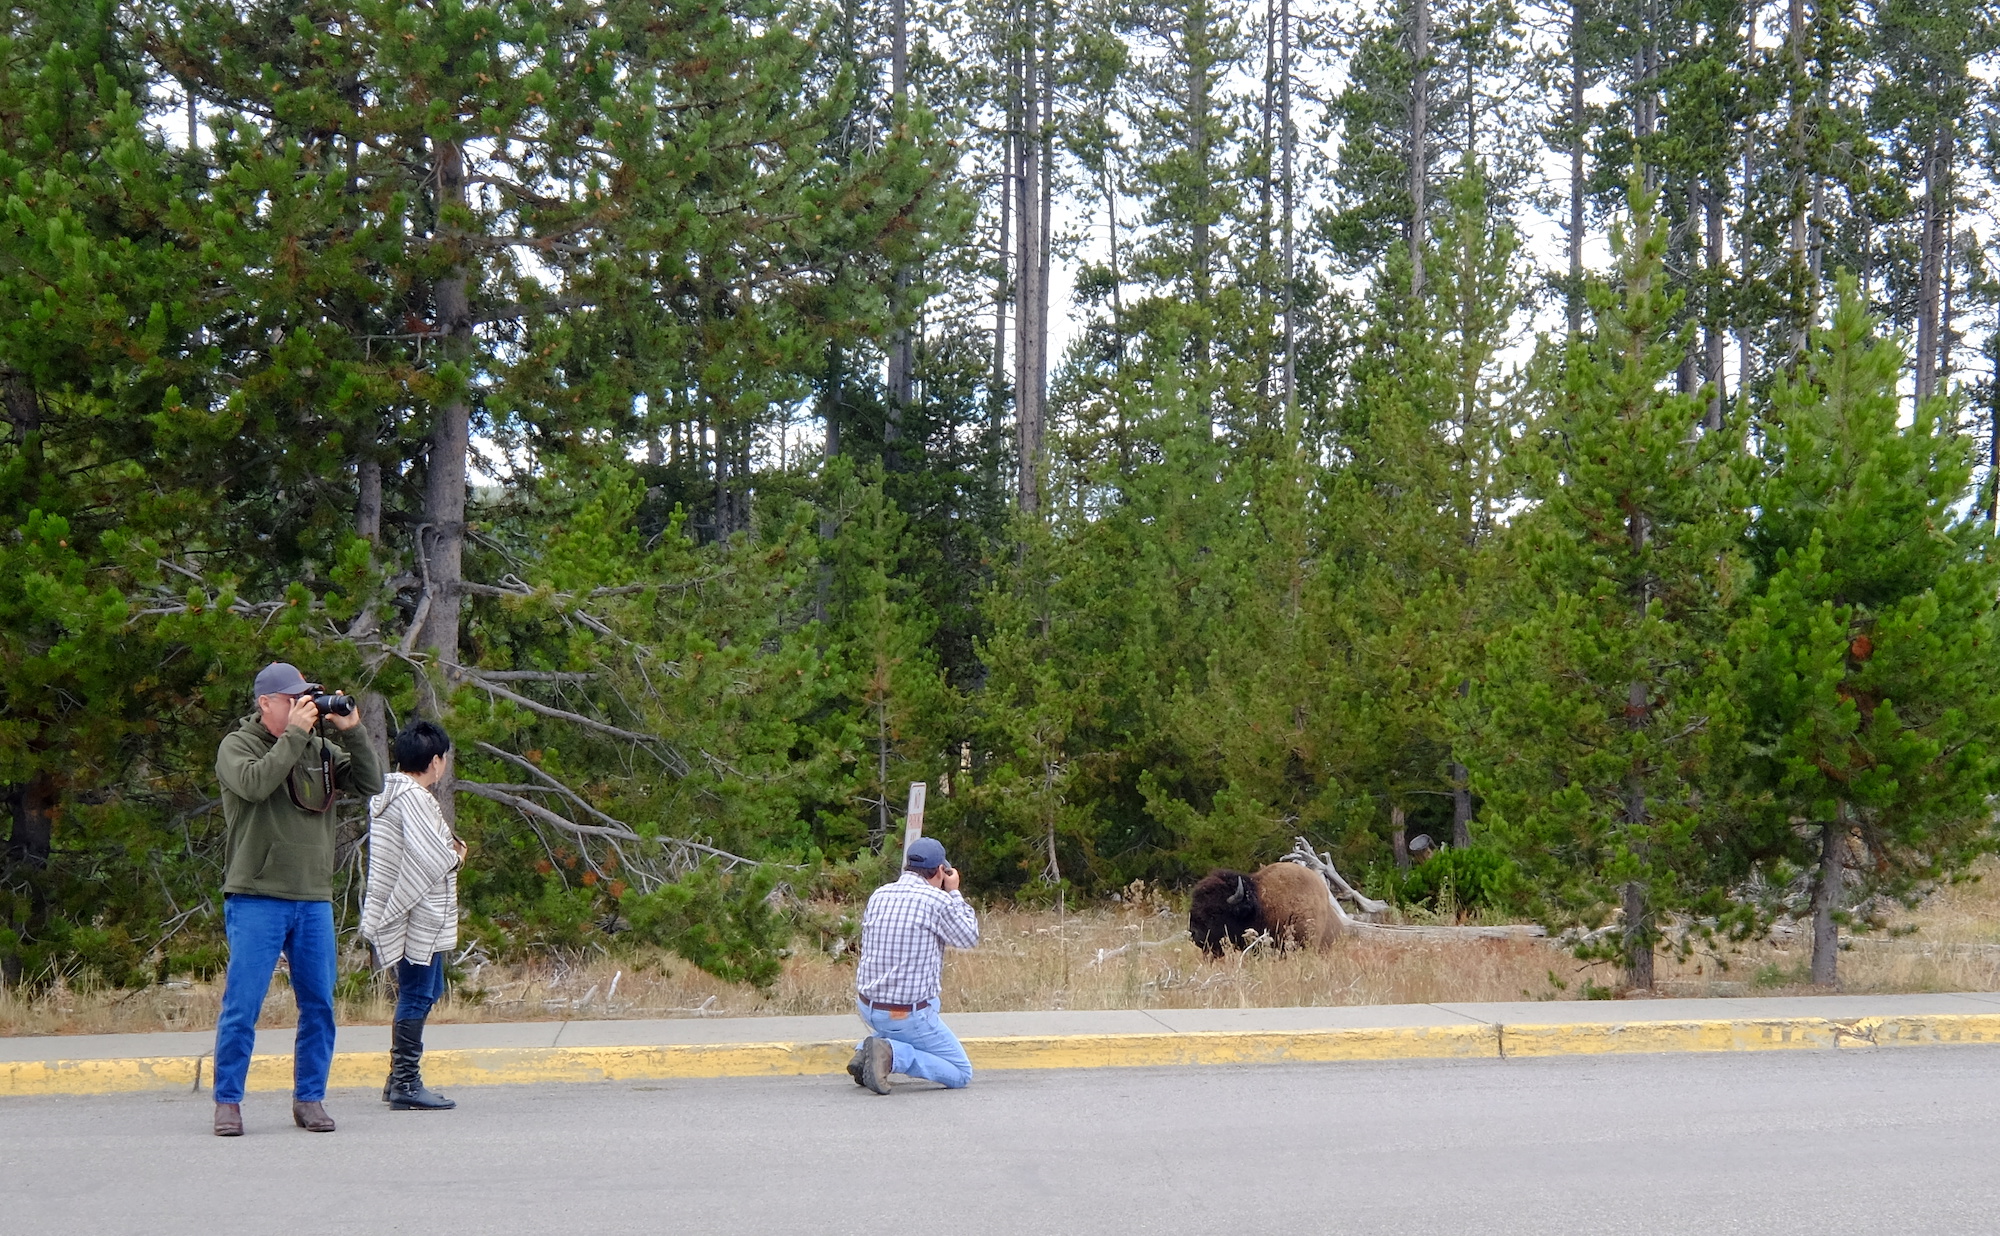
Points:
(904, 1009)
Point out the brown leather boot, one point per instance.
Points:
(312, 1117)
(229, 1120)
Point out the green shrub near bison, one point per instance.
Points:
(1464, 879)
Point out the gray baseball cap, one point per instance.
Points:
(278, 678)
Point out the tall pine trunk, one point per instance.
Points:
(1933, 256)
(1420, 101)
(1285, 245)
(1638, 708)
(443, 539)
(1826, 900)
(32, 828)
(902, 349)
(1574, 296)
(1031, 268)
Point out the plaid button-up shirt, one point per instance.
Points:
(903, 934)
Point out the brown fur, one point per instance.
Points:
(1297, 905)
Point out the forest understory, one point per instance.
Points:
(1044, 959)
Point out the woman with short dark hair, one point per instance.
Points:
(410, 910)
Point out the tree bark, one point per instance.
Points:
(443, 540)
(368, 499)
(1286, 139)
(1933, 256)
(1638, 938)
(1826, 900)
(444, 481)
(1461, 806)
(1420, 54)
(1030, 326)
(902, 349)
(1638, 705)
(1795, 38)
(1399, 836)
(1711, 327)
(34, 817)
(24, 411)
(1574, 295)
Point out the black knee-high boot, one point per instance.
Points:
(406, 1081)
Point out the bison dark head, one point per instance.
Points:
(1222, 906)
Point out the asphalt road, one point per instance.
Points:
(1904, 1141)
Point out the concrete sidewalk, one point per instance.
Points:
(551, 1051)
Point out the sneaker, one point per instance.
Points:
(877, 1060)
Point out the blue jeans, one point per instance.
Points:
(921, 1044)
(418, 987)
(260, 928)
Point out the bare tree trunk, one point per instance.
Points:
(1712, 333)
(1795, 37)
(1576, 167)
(368, 497)
(444, 481)
(1030, 327)
(1930, 279)
(1638, 707)
(1286, 137)
(1399, 836)
(443, 539)
(24, 412)
(1825, 900)
(1264, 186)
(1004, 288)
(902, 350)
(1195, 45)
(1461, 806)
(1420, 54)
(34, 811)
(1638, 938)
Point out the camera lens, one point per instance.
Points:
(336, 704)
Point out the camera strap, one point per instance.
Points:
(327, 787)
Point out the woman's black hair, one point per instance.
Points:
(419, 744)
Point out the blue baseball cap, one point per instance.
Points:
(925, 854)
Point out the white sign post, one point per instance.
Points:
(913, 826)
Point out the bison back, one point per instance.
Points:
(1298, 906)
(1214, 920)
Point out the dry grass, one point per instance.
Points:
(1044, 959)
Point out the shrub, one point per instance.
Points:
(1466, 879)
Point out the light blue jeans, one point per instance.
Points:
(922, 1045)
(260, 928)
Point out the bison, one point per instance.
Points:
(1284, 901)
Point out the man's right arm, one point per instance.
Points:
(254, 774)
(956, 922)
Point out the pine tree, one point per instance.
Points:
(1594, 698)
(1864, 665)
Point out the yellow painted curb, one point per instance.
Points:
(1748, 1034)
(525, 1065)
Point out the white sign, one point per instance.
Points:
(913, 826)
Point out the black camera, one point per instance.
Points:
(335, 704)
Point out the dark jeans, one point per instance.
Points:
(259, 929)
(418, 987)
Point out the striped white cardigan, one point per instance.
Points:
(410, 909)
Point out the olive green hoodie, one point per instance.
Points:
(274, 847)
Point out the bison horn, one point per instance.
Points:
(1236, 898)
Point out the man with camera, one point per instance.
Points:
(281, 774)
(904, 932)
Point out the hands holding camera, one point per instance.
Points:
(307, 710)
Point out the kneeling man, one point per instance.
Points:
(903, 934)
